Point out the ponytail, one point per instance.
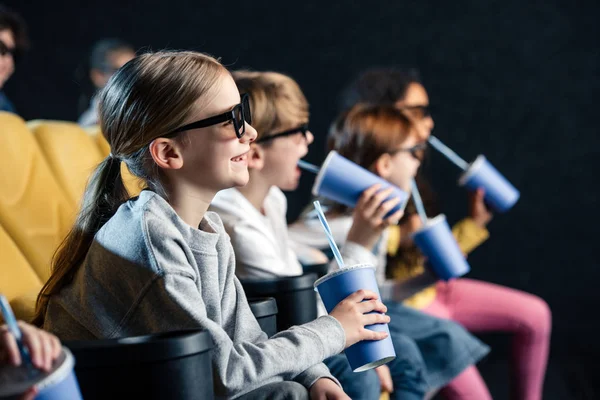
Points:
(104, 194)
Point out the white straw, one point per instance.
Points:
(334, 248)
(447, 151)
(308, 166)
(418, 202)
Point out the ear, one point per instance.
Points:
(98, 78)
(166, 153)
(383, 166)
(256, 157)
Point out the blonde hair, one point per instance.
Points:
(147, 98)
(276, 101)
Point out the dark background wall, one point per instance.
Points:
(517, 81)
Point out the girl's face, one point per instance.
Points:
(7, 63)
(415, 105)
(404, 163)
(214, 158)
(281, 155)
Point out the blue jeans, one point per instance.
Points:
(357, 385)
(408, 370)
(430, 351)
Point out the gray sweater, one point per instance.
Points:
(148, 271)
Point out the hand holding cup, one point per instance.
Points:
(351, 313)
(370, 216)
(478, 210)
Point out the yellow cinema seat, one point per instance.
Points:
(95, 133)
(18, 281)
(70, 152)
(34, 210)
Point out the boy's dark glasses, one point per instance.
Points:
(303, 129)
(417, 151)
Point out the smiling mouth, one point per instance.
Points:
(241, 157)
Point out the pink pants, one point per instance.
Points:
(485, 307)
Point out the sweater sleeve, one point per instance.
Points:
(248, 360)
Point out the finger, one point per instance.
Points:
(371, 305)
(367, 194)
(56, 347)
(394, 218)
(362, 294)
(386, 207)
(385, 378)
(388, 385)
(368, 334)
(375, 318)
(47, 349)
(33, 343)
(375, 201)
(29, 394)
(10, 346)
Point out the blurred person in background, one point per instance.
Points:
(13, 42)
(478, 306)
(107, 56)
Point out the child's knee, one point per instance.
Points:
(408, 367)
(539, 317)
(407, 349)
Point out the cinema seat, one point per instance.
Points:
(18, 281)
(34, 210)
(71, 153)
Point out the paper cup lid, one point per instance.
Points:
(341, 271)
(16, 380)
(319, 178)
(430, 222)
(473, 168)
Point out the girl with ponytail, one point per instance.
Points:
(161, 261)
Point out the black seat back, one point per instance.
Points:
(295, 296)
(170, 365)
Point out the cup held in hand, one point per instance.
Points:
(58, 384)
(343, 181)
(436, 242)
(500, 194)
(335, 287)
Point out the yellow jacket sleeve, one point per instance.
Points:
(469, 235)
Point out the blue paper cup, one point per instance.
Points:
(436, 242)
(335, 287)
(59, 383)
(500, 194)
(343, 181)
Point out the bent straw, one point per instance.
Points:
(308, 166)
(447, 151)
(418, 202)
(334, 248)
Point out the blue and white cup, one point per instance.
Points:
(335, 287)
(437, 243)
(59, 383)
(500, 194)
(343, 181)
